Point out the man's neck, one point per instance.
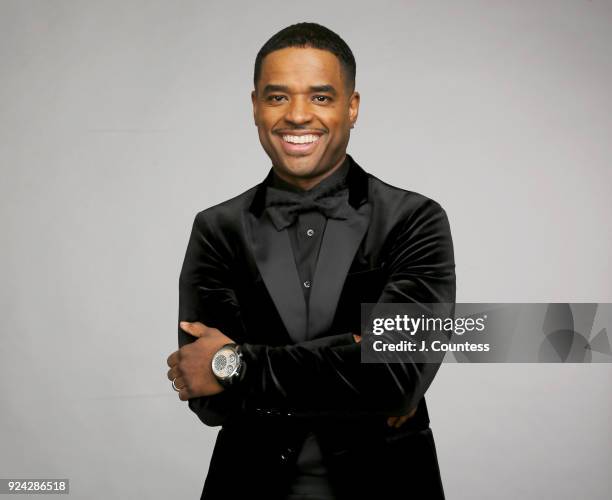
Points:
(310, 183)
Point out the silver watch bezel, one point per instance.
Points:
(236, 371)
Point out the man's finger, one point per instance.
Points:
(179, 383)
(196, 328)
(173, 373)
(172, 359)
(397, 422)
(400, 421)
(183, 394)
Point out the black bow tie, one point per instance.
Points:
(284, 206)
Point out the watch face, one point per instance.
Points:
(224, 362)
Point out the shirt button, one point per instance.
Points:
(310, 232)
(307, 284)
(284, 456)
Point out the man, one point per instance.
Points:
(270, 294)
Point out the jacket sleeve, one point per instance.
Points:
(330, 379)
(206, 280)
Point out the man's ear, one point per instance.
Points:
(354, 108)
(254, 101)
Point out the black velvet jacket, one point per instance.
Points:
(239, 276)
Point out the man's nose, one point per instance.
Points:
(299, 110)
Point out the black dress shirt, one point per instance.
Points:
(306, 235)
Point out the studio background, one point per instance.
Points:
(119, 121)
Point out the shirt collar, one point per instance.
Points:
(357, 180)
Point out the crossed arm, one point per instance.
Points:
(326, 376)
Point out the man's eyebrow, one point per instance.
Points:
(329, 89)
(313, 88)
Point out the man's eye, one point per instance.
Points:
(278, 98)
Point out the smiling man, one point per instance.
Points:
(304, 109)
(270, 294)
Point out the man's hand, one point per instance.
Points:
(191, 364)
(395, 422)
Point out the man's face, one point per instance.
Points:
(303, 113)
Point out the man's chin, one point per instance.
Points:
(299, 166)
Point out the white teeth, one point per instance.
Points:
(300, 139)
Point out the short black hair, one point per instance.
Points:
(310, 35)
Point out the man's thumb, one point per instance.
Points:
(191, 328)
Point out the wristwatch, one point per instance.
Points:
(228, 365)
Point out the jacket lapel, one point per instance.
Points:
(338, 248)
(276, 264)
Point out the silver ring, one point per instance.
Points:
(174, 386)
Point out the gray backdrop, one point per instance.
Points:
(120, 120)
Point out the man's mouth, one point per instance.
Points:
(299, 145)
